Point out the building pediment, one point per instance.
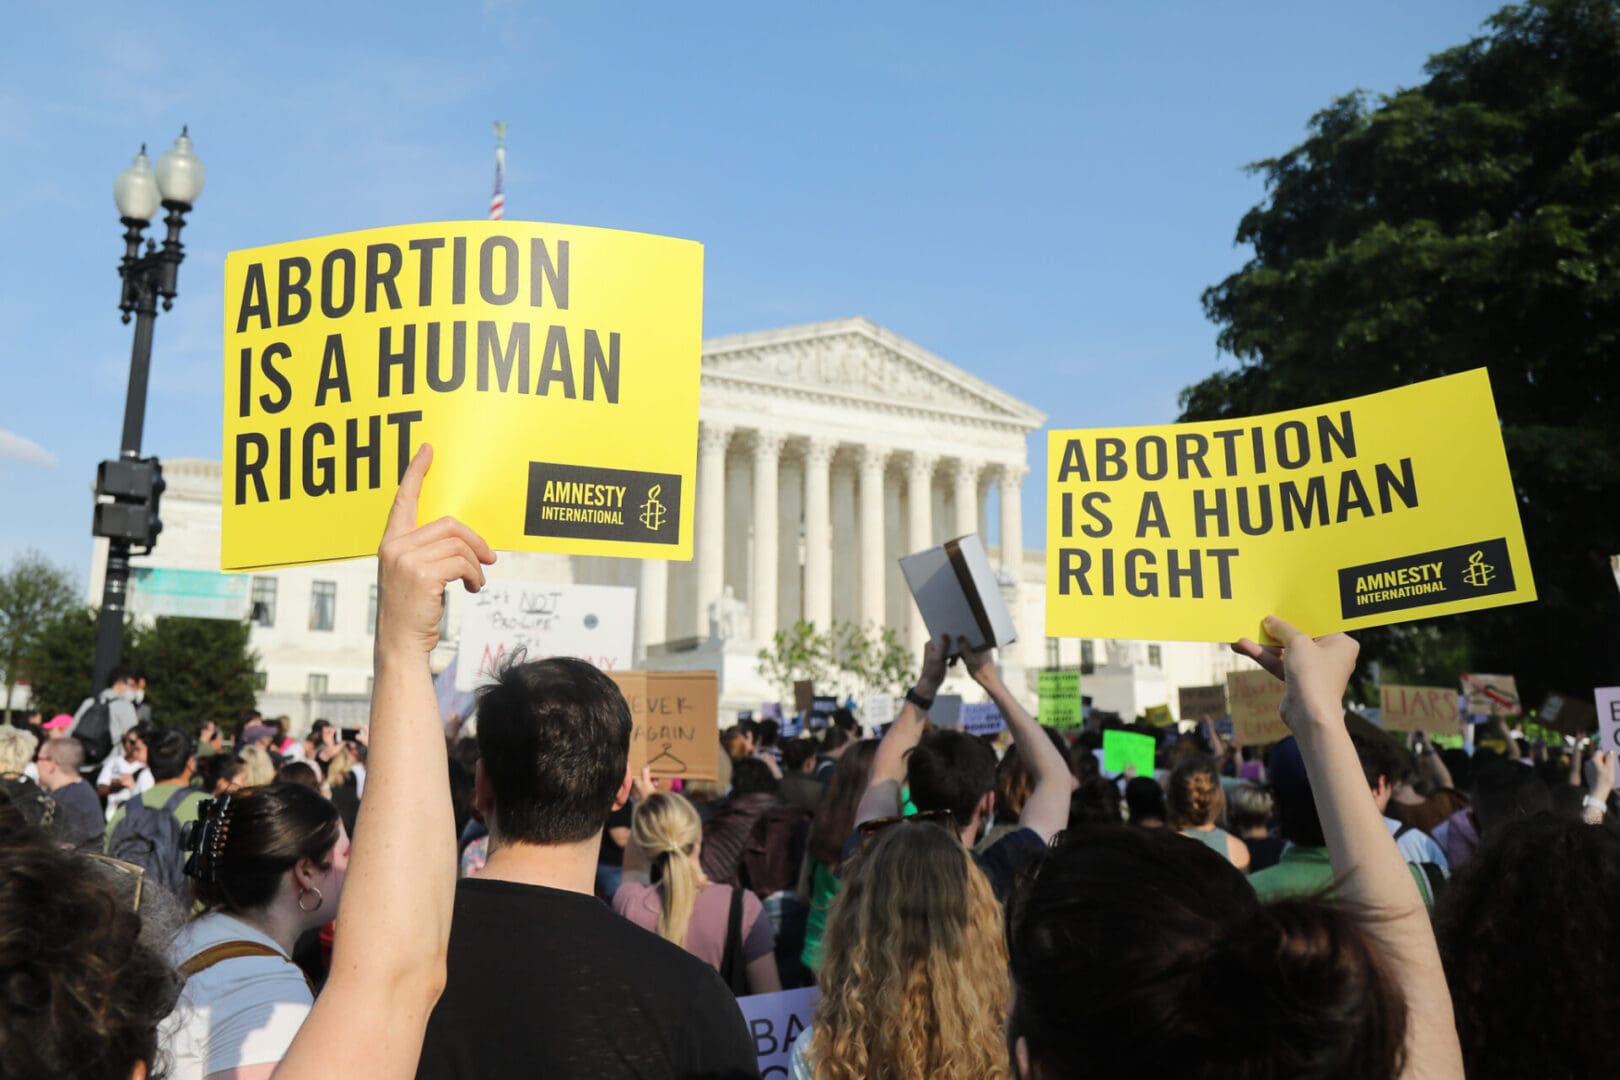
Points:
(857, 359)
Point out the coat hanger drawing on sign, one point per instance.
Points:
(675, 763)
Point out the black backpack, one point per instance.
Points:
(150, 838)
(94, 731)
(36, 807)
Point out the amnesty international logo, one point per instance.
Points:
(1479, 572)
(652, 511)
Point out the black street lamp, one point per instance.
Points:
(128, 488)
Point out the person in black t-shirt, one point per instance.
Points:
(543, 979)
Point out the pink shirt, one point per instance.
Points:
(706, 934)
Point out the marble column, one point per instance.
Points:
(920, 528)
(818, 456)
(652, 604)
(966, 478)
(762, 598)
(872, 460)
(1012, 548)
(710, 535)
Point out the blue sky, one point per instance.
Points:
(1037, 192)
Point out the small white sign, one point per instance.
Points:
(983, 718)
(593, 622)
(1608, 709)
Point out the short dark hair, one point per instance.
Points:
(1378, 758)
(301, 773)
(768, 732)
(1145, 799)
(751, 776)
(121, 673)
(951, 770)
(167, 752)
(834, 737)
(554, 739)
(795, 752)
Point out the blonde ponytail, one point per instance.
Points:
(668, 829)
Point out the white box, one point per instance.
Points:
(958, 594)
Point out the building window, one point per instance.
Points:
(1054, 653)
(371, 613)
(1088, 656)
(315, 685)
(264, 601)
(1155, 656)
(323, 605)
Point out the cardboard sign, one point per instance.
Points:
(1060, 705)
(775, 1020)
(677, 721)
(1492, 695)
(879, 708)
(596, 623)
(1608, 715)
(804, 695)
(553, 368)
(1122, 748)
(983, 718)
(1158, 715)
(1359, 513)
(1570, 715)
(1418, 708)
(1256, 698)
(1199, 702)
(959, 594)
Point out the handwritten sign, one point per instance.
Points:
(1158, 715)
(553, 368)
(775, 1020)
(676, 717)
(982, 718)
(593, 622)
(1122, 748)
(1199, 702)
(1256, 698)
(1418, 708)
(1492, 695)
(1569, 715)
(1373, 510)
(1060, 705)
(1608, 710)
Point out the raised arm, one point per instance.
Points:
(1046, 811)
(1367, 865)
(393, 927)
(882, 797)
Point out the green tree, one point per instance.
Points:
(60, 661)
(799, 652)
(848, 657)
(33, 591)
(198, 669)
(1473, 220)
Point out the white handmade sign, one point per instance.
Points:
(593, 622)
(1608, 710)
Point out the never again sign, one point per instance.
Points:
(553, 368)
(1363, 512)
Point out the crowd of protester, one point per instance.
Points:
(1348, 904)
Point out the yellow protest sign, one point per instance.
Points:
(1256, 698)
(554, 368)
(1363, 512)
(1418, 708)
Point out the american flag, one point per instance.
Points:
(497, 201)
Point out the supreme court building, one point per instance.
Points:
(825, 453)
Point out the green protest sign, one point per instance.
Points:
(1122, 748)
(1060, 699)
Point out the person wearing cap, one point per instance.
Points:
(1304, 868)
(59, 762)
(57, 726)
(257, 734)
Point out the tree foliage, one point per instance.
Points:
(1470, 221)
(33, 591)
(847, 658)
(197, 669)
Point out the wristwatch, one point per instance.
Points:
(923, 703)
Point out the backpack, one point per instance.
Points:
(94, 731)
(1435, 876)
(775, 849)
(150, 838)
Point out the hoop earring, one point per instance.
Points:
(319, 900)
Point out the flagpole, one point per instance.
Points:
(497, 200)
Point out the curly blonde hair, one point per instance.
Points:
(914, 972)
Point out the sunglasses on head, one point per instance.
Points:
(869, 829)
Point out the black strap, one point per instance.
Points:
(177, 798)
(733, 967)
